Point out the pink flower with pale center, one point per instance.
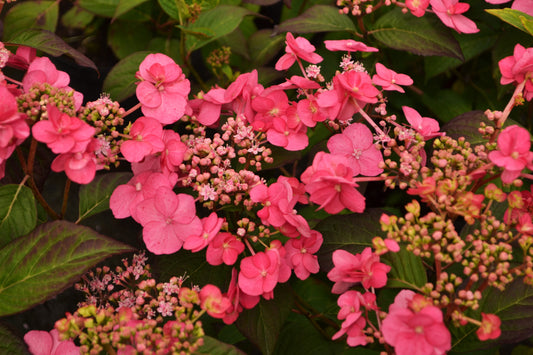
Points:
(47, 343)
(390, 80)
(348, 45)
(350, 269)
(449, 12)
(212, 300)
(63, 133)
(211, 226)
(513, 153)
(517, 68)
(224, 248)
(79, 167)
(353, 325)
(489, 328)
(146, 138)
(356, 145)
(413, 330)
(299, 254)
(13, 127)
(163, 90)
(297, 48)
(168, 219)
(331, 184)
(426, 126)
(259, 273)
(417, 7)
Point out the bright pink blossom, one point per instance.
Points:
(146, 138)
(22, 58)
(125, 198)
(517, 68)
(224, 248)
(209, 105)
(259, 273)
(212, 300)
(297, 48)
(331, 184)
(426, 126)
(354, 323)
(350, 269)
(348, 45)
(211, 226)
(240, 93)
(63, 133)
(513, 152)
(47, 343)
(417, 7)
(288, 131)
(299, 254)
(390, 80)
(79, 167)
(168, 219)
(356, 145)
(163, 90)
(173, 152)
(449, 12)
(489, 328)
(415, 330)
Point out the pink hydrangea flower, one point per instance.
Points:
(297, 48)
(22, 57)
(63, 133)
(240, 93)
(259, 273)
(212, 300)
(350, 269)
(224, 248)
(299, 254)
(209, 105)
(146, 138)
(415, 330)
(417, 7)
(173, 152)
(348, 45)
(426, 126)
(356, 145)
(47, 343)
(168, 219)
(390, 80)
(79, 167)
(513, 153)
(516, 68)
(163, 90)
(330, 183)
(211, 226)
(489, 328)
(353, 325)
(449, 12)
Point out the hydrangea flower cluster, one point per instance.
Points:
(127, 312)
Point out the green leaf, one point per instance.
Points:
(18, 213)
(77, 17)
(262, 324)
(173, 7)
(514, 306)
(120, 82)
(49, 43)
(213, 346)
(213, 24)
(407, 270)
(125, 6)
(422, 36)
(105, 8)
(263, 47)
(447, 104)
(94, 197)
(31, 15)
(47, 261)
(515, 18)
(123, 41)
(318, 18)
(352, 232)
(10, 343)
(467, 125)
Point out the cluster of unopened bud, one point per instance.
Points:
(33, 103)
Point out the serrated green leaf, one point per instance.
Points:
(94, 197)
(422, 36)
(213, 24)
(120, 82)
(263, 47)
(513, 17)
(105, 8)
(18, 212)
(351, 232)
(318, 18)
(213, 346)
(77, 17)
(10, 343)
(407, 270)
(49, 43)
(262, 324)
(43, 263)
(25, 15)
(125, 6)
(123, 41)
